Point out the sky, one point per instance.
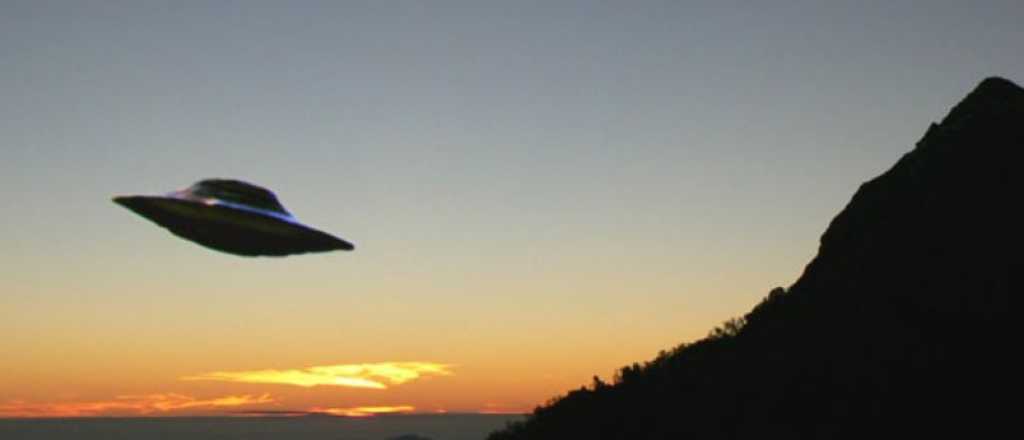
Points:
(538, 192)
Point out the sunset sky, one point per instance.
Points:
(538, 192)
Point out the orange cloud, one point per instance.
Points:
(363, 411)
(349, 375)
(125, 405)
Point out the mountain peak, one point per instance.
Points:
(902, 324)
(959, 172)
(993, 97)
(996, 85)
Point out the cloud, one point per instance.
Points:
(269, 413)
(375, 375)
(362, 411)
(126, 405)
(355, 411)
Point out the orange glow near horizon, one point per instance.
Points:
(128, 405)
(370, 375)
(497, 408)
(363, 411)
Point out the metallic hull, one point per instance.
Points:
(229, 229)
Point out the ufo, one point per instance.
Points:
(234, 217)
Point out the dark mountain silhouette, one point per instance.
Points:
(899, 327)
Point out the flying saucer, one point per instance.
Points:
(234, 217)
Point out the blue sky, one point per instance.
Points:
(616, 177)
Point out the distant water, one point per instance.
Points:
(434, 427)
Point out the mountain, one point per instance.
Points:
(899, 327)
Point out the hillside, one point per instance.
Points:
(899, 326)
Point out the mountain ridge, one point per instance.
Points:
(900, 323)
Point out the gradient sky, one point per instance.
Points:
(538, 191)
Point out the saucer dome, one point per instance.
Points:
(234, 217)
